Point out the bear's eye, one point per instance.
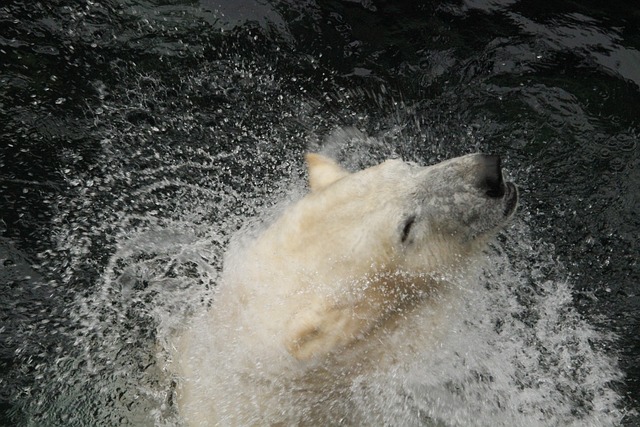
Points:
(406, 228)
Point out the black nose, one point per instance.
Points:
(492, 180)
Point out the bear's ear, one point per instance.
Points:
(323, 171)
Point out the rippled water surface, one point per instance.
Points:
(136, 137)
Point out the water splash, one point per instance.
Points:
(141, 237)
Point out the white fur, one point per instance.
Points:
(337, 287)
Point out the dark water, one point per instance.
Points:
(137, 136)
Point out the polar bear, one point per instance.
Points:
(354, 277)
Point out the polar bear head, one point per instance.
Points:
(366, 244)
(402, 214)
(350, 278)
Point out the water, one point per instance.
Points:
(138, 137)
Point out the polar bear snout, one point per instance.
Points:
(492, 180)
(493, 184)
